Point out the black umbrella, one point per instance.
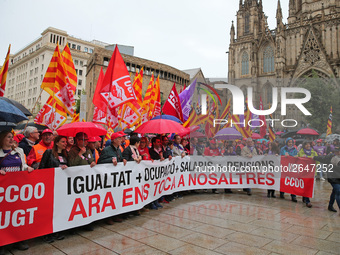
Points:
(6, 126)
(31, 124)
(18, 105)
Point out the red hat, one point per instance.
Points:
(47, 131)
(18, 137)
(94, 139)
(116, 135)
(319, 141)
(213, 141)
(122, 133)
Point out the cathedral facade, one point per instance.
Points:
(262, 58)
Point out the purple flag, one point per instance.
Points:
(186, 99)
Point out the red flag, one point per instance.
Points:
(97, 99)
(263, 129)
(172, 106)
(116, 87)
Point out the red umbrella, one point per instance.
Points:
(88, 128)
(189, 130)
(307, 131)
(160, 126)
(256, 136)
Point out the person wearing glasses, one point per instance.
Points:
(31, 137)
(78, 154)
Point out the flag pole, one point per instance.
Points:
(41, 90)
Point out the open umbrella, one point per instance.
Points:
(279, 133)
(256, 136)
(228, 134)
(88, 128)
(18, 105)
(31, 124)
(160, 126)
(196, 134)
(10, 113)
(167, 117)
(7, 126)
(307, 131)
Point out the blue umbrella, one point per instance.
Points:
(10, 113)
(167, 117)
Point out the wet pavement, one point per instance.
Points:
(207, 223)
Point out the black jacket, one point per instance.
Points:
(154, 155)
(25, 146)
(48, 160)
(127, 154)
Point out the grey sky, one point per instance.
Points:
(184, 34)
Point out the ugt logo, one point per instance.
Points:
(238, 100)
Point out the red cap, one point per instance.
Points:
(18, 137)
(47, 131)
(116, 135)
(319, 141)
(213, 141)
(94, 139)
(122, 133)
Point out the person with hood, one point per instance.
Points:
(307, 152)
(289, 150)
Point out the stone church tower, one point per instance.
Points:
(262, 58)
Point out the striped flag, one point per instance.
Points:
(75, 117)
(192, 120)
(138, 85)
(69, 66)
(329, 123)
(155, 102)
(271, 129)
(57, 83)
(243, 119)
(3, 73)
(147, 99)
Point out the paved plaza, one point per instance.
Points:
(209, 223)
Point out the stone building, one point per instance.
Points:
(100, 59)
(28, 66)
(282, 57)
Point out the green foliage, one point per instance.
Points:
(323, 96)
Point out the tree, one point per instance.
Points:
(323, 96)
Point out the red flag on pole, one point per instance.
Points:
(116, 88)
(172, 106)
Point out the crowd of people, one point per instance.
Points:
(39, 150)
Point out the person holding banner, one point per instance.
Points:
(57, 156)
(78, 154)
(273, 149)
(112, 153)
(131, 152)
(12, 160)
(143, 149)
(289, 150)
(178, 147)
(248, 151)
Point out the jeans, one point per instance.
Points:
(335, 195)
